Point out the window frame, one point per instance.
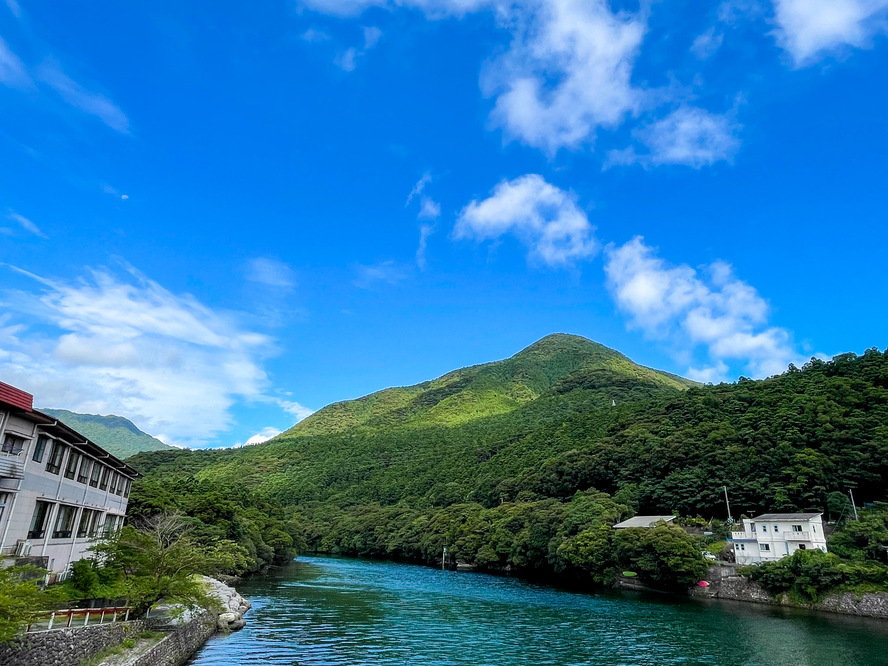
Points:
(38, 530)
(54, 462)
(71, 472)
(66, 517)
(40, 448)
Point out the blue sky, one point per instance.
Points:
(215, 220)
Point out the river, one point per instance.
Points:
(330, 611)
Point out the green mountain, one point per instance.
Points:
(117, 435)
(526, 463)
(558, 363)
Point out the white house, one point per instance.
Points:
(771, 536)
(58, 489)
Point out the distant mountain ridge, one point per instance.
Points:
(558, 363)
(117, 435)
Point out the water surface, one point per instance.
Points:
(330, 611)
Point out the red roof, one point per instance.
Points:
(16, 397)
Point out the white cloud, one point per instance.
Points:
(388, 272)
(295, 409)
(809, 29)
(545, 218)
(26, 224)
(568, 72)
(372, 35)
(13, 72)
(14, 8)
(688, 136)
(263, 436)
(707, 43)
(714, 310)
(347, 60)
(424, 232)
(429, 209)
(315, 36)
(125, 345)
(271, 273)
(419, 187)
(74, 94)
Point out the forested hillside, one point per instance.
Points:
(502, 488)
(115, 434)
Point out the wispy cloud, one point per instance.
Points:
(271, 273)
(295, 409)
(73, 93)
(707, 43)
(13, 72)
(688, 309)
(387, 272)
(425, 231)
(811, 29)
(689, 136)
(26, 224)
(419, 187)
(545, 218)
(429, 209)
(123, 344)
(347, 59)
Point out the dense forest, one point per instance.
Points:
(535, 486)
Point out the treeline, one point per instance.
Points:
(574, 539)
(254, 533)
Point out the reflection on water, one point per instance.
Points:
(326, 611)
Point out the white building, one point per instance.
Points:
(772, 536)
(58, 490)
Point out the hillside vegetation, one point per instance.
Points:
(503, 489)
(118, 436)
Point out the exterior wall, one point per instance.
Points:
(178, 646)
(779, 537)
(40, 484)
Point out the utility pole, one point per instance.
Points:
(728, 503)
(853, 506)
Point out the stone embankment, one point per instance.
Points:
(234, 605)
(724, 583)
(184, 634)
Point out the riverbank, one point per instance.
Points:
(725, 583)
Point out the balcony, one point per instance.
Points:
(797, 536)
(11, 468)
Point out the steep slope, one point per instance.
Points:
(452, 439)
(559, 363)
(115, 434)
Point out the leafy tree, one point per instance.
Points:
(20, 598)
(158, 560)
(665, 555)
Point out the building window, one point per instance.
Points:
(118, 485)
(126, 487)
(85, 466)
(12, 444)
(64, 522)
(40, 449)
(96, 471)
(103, 484)
(38, 520)
(796, 528)
(54, 464)
(112, 524)
(776, 528)
(71, 467)
(802, 546)
(764, 546)
(89, 520)
(752, 527)
(4, 498)
(742, 546)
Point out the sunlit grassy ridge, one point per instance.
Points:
(117, 435)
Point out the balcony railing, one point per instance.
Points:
(797, 536)
(11, 468)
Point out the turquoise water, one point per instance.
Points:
(329, 611)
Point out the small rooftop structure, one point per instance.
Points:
(643, 521)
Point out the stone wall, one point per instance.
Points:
(66, 647)
(176, 647)
(724, 583)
